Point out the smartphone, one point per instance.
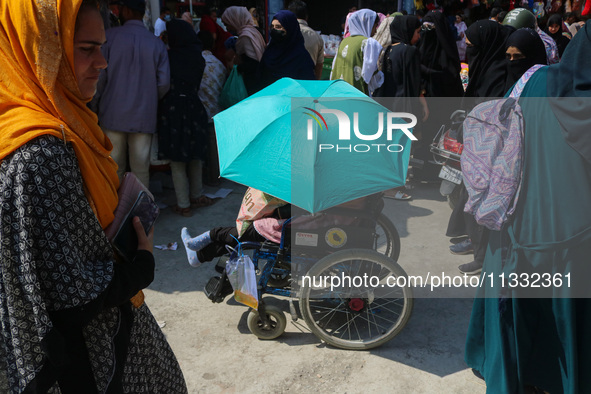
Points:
(125, 241)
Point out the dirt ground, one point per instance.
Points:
(218, 354)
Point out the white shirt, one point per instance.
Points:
(159, 27)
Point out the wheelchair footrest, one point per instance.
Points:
(217, 288)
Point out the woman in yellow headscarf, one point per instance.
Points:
(66, 320)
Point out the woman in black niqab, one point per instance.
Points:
(286, 56)
(531, 46)
(486, 59)
(439, 58)
(401, 62)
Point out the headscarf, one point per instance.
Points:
(288, 57)
(531, 46)
(555, 19)
(241, 20)
(361, 22)
(569, 79)
(439, 53)
(186, 62)
(486, 59)
(187, 18)
(39, 94)
(384, 36)
(403, 28)
(442, 47)
(346, 32)
(401, 63)
(560, 38)
(383, 32)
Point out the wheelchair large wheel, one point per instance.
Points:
(276, 327)
(387, 239)
(356, 318)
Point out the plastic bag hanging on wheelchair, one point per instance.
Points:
(242, 277)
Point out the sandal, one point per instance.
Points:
(186, 212)
(400, 196)
(202, 201)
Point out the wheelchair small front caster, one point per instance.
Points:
(273, 327)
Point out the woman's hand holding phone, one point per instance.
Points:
(144, 241)
(135, 232)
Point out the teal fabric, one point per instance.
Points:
(263, 143)
(572, 80)
(543, 342)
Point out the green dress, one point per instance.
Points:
(348, 62)
(542, 342)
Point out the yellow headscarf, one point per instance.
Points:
(39, 93)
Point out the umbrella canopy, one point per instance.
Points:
(314, 144)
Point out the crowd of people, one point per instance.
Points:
(79, 105)
(372, 57)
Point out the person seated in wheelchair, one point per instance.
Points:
(262, 216)
(260, 219)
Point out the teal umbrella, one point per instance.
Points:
(314, 144)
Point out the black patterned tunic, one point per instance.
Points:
(56, 271)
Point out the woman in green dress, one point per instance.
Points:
(356, 60)
(521, 336)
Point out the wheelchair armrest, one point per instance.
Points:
(249, 245)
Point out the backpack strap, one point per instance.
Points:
(519, 85)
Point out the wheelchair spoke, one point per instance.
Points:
(356, 329)
(389, 310)
(376, 323)
(329, 308)
(343, 325)
(333, 312)
(369, 326)
(392, 301)
(346, 329)
(378, 315)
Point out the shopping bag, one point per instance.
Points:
(242, 277)
(233, 91)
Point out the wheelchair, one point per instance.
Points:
(349, 317)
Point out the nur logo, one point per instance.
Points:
(392, 124)
(310, 124)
